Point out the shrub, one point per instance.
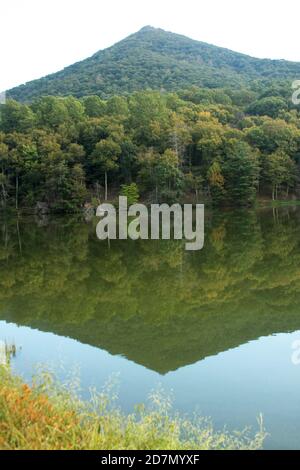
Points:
(46, 417)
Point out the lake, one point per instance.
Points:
(216, 329)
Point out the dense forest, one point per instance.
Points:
(159, 60)
(130, 120)
(220, 145)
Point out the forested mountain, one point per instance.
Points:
(156, 59)
(225, 142)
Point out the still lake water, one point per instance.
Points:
(214, 328)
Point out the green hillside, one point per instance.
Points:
(156, 59)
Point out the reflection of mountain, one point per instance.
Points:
(178, 342)
(153, 302)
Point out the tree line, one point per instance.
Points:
(198, 144)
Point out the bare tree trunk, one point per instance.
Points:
(106, 191)
(6, 240)
(19, 237)
(98, 190)
(3, 195)
(17, 192)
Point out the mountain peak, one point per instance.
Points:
(156, 59)
(147, 28)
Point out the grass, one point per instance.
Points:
(46, 416)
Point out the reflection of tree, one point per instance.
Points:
(153, 301)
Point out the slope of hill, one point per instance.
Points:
(156, 59)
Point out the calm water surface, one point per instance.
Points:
(215, 328)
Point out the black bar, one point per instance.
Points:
(136, 459)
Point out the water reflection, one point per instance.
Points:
(152, 301)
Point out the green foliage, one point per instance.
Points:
(131, 191)
(68, 151)
(16, 117)
(268, 106)
(241, 171)
(160, 172)
(46, 417)
(216, 182)
(279, 169)
(199, 143)
(156, 59)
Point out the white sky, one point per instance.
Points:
(38, 37)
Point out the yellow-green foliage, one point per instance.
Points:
(46, 417)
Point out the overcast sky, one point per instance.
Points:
(38, 37)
